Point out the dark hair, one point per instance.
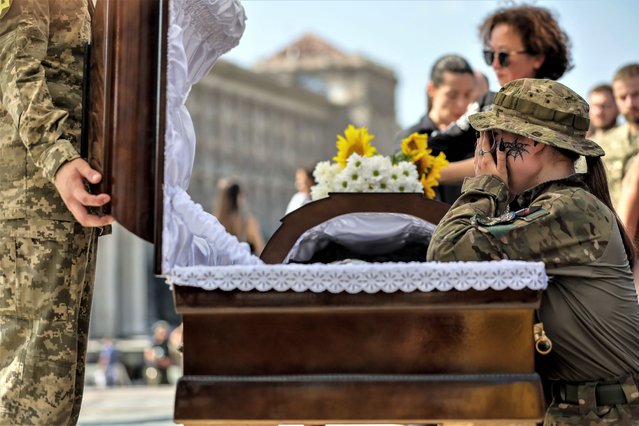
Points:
(232, 194)
(598, 184)
(626, 72)
(540, 34)
(448, 63)
(602, 88)
(227, 207)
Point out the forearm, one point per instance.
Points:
(628, 205)
(456, 172)
(458, 235)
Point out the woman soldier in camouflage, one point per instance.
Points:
(525, 159)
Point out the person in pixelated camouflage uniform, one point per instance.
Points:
(47, 236)
(525, 202)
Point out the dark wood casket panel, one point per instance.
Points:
(340, 357)
(379, 339)
(126, 93)
(299, 221)
(403, 400)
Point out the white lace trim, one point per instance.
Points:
(367, 277)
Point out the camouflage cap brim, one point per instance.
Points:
(499, 119)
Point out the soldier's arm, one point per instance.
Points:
(557, 229)
(25, 95)
(457, 237)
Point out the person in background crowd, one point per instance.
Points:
(303, 182)
(622, 143)
(527, 150)
(603, 110)
(231, 211)
(482, 85)
(48, 238)
(176, 346)
(449, 92)
(628, 207)
(110, 371)
(157, 357)
(519, 42)
(624, 140)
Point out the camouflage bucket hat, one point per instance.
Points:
(543, 110)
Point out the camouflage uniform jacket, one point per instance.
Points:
(620, 147)
(41, 65)
(576, 236)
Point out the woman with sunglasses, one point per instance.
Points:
(526, 157)
(520, 42)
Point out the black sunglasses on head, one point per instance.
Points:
(502, 56)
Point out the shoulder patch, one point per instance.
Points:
(4, 7)
(507, 222)
(508, 217)
(532, 214)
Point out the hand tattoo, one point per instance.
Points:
(515, 149)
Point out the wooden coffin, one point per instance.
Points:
(315, 358)
(125, 111)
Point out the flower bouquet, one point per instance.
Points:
(358, 167)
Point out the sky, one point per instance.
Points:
(409, 35)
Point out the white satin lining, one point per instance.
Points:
(199, 32)
(363, 233)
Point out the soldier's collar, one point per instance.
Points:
(527, 197)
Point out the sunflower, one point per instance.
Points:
(357, 140)
(424, 162)
(430, 176)
(415, 146)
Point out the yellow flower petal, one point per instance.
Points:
(415, 145)
(431, 175)
(357, 140)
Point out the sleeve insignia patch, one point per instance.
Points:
(4, 7)
(505, 218)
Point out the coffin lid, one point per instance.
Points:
(125, 112)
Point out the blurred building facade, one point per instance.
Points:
(261, 124)
(258, 125)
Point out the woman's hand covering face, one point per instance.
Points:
(490, 157)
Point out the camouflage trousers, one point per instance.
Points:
(46, 285)
(588, 413)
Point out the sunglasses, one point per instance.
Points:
(502, 56)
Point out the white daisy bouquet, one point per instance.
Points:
(358, 167)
